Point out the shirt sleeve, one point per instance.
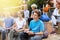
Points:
(42, 27)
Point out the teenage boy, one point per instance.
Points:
(36, 28)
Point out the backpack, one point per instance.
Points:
(44, 17)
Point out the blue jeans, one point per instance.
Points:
(3, 35)
(36, 37)
(25, 36)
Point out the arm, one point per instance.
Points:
(40, 33)
(14, 26)
(29, 30)
(23, 27)
(4, 26)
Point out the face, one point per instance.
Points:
(35, 16)
(19, 14)
(25, 7)
(58, 5)
(33, 8)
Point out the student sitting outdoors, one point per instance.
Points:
(8, 23)
(35, 30)
(19, 26)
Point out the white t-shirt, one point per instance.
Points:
(56, 12)
(20, 23)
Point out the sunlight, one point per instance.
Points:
(9, 6)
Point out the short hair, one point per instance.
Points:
(37, 12)
(34, 5)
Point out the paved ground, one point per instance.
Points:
(53, 37)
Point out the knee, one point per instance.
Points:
(31, 38)
(38, 37)
(21, 33)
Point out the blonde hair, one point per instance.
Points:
(21, 12)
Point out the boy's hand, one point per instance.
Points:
(30, 33)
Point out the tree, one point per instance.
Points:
(38, 2)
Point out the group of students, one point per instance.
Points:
(16, 28)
